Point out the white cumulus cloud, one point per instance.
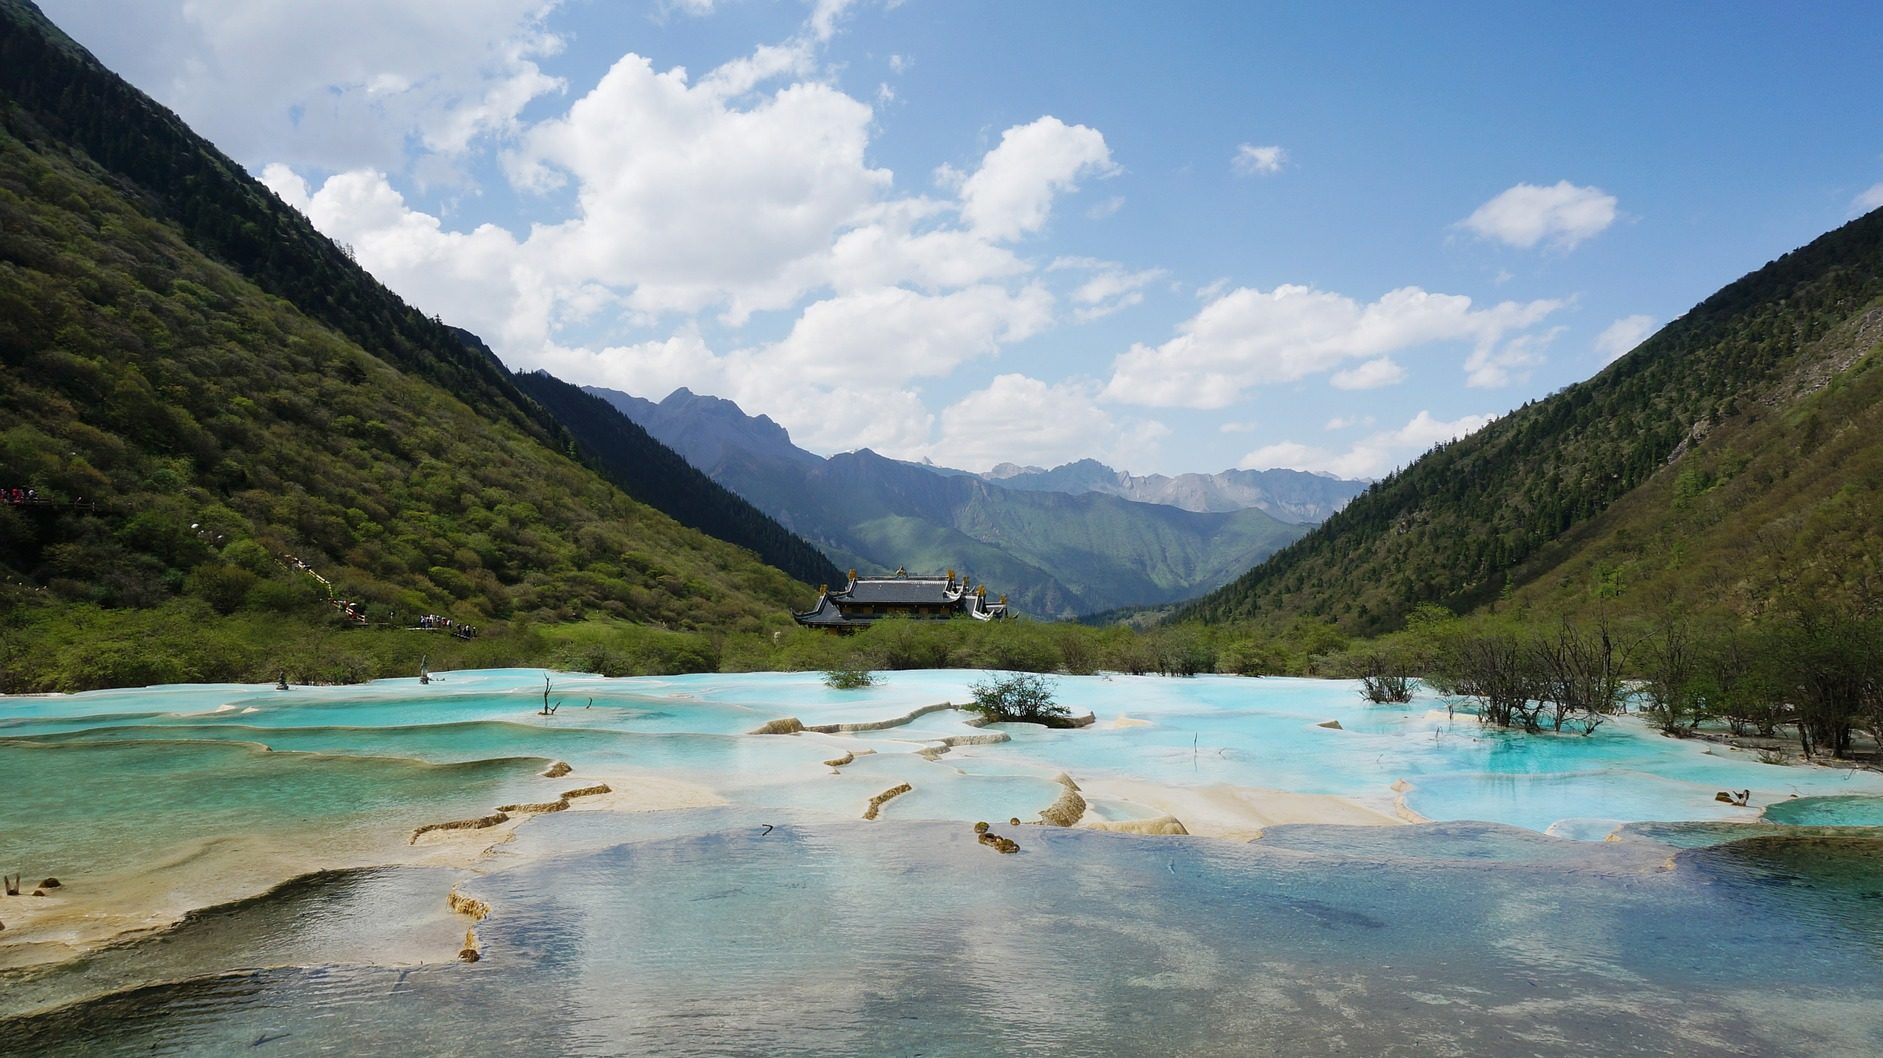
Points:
(1012, 192)
(1372, 456)
(1247, 338)
(1491, 366)
(1624, 334)
(1527, 214)
(1050, 422)
(1371, 375)
(335, 85)
(691, 196)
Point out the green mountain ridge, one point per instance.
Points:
(1565, 500)
(214, 426)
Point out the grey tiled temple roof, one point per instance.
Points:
(904, 590)
(864, 599)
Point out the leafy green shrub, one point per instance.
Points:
(222, 586)
(1021, 697)
(849, 679)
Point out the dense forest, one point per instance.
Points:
(1457, 526)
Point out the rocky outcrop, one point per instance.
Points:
(504, 812)
(461, 824)
(1068, 809)
(1331, 725)
(557, 770)
(788, 725)
(540, 806)
(838, 762)
(877, 802)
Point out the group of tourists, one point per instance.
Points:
(456, 628)
(20, 496)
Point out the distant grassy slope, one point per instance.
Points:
(1459, 525)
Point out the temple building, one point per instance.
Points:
(865, 599)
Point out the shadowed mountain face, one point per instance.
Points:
(653, 473)
(1731, 461)
(1290, 495)
(1054, 553)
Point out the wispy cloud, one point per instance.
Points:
(1251, 160)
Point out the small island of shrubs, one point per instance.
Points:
(1020, 697)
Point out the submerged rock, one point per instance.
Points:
(789, 725)
(1331, 725)
(50, 883)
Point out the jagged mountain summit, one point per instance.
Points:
(1054, 553)
(1291, 495)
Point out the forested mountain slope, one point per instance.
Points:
(1473, 518)
(1775, 507)
(188, 430)
(61, 97)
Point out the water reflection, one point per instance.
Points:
(854, 939)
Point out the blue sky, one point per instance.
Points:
(1170, 236)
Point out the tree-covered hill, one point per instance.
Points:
(1775, 508)
(188, 426)
(1472, 519)
(62, 99)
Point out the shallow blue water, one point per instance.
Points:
(700, 931)
(851, 939)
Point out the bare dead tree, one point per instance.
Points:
(1581, 674)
